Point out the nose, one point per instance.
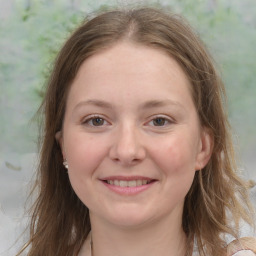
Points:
(127, 148)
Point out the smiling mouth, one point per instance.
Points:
(128, 183)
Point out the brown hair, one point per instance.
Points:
(60, 221)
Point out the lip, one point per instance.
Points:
(128, 190)
(127, 178)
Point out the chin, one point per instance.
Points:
(130, 223)
(130, 219)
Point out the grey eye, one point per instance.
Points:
(160, 121)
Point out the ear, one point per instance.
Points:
(59, 139)
(205, 149)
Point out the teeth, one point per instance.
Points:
(123, 183)
(144, 182)
(128, 183)
(139, 182)
(132, 183)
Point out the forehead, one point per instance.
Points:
(130, 69)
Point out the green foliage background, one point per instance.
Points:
(34, 31)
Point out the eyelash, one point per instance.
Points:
(89, 121)
(167, 121)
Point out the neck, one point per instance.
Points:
(163, 238)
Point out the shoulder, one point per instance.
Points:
(244, 253)
(245, 246)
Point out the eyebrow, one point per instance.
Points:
(160, 103)
(145, 105)
(94, 102)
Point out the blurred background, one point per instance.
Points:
(32, 32)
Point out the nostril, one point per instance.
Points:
(126, 154)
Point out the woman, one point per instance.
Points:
(136, 154)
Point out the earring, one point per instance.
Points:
(65, 163)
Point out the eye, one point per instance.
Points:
(95, 121)
(160, 121)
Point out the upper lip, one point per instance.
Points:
(127, 178)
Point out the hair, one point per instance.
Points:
(60, 221)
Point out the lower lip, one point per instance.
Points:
(128, 190)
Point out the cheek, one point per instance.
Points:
(84, 153)
(176, 166)
(176, 156)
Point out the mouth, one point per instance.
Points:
(128, 183)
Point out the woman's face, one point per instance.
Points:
(131, 136)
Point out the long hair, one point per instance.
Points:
(60, 221)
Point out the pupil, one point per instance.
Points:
(97, 121)
(159, 121)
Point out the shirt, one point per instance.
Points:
(87, 246)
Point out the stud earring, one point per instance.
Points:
(65, 163)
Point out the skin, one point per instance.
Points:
(130, 113)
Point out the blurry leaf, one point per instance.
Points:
(12, 167)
